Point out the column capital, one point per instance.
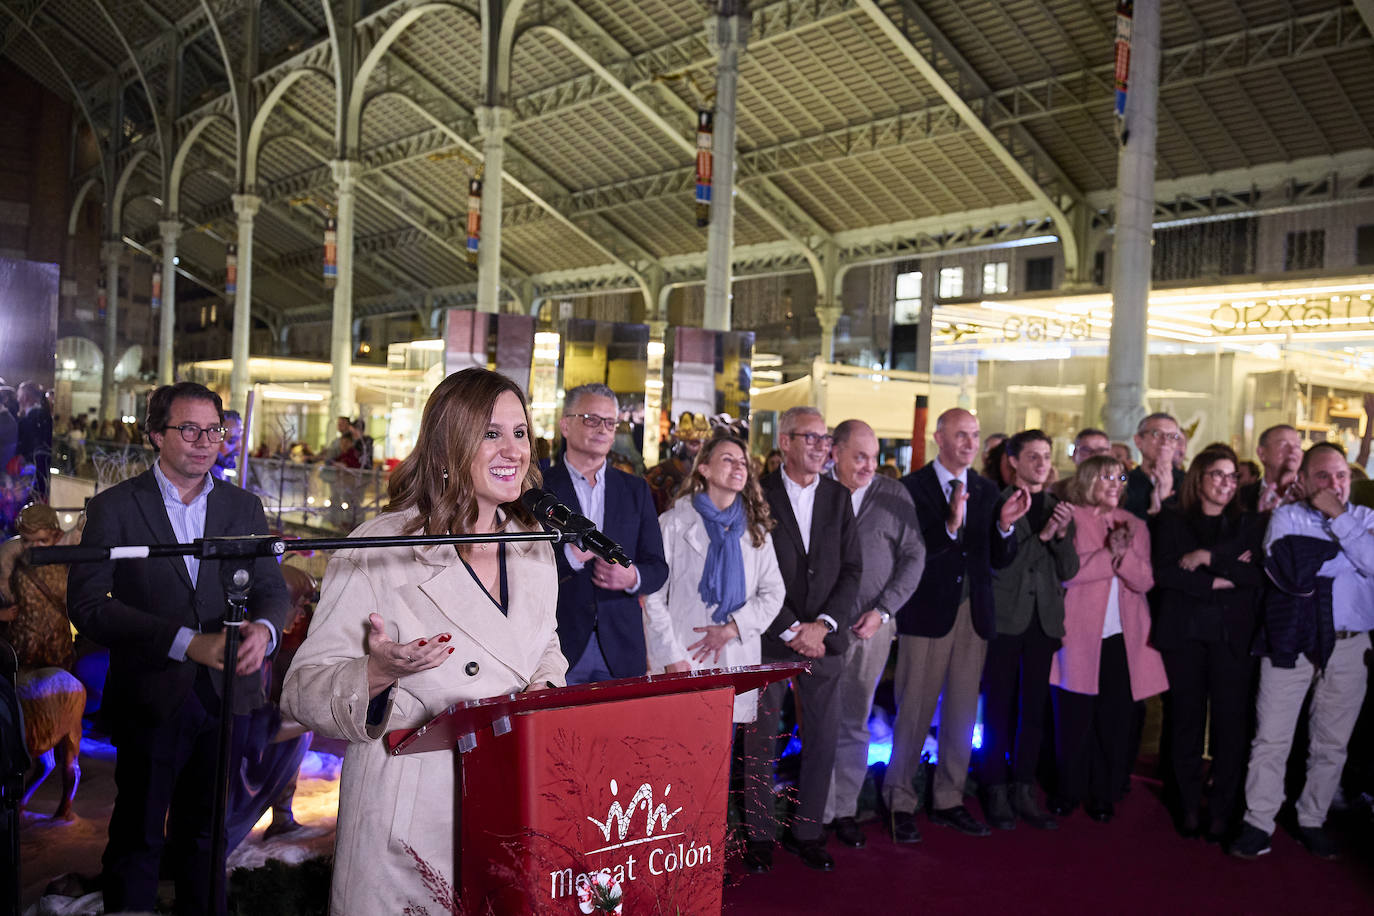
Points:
(829, 316)
(111, 249)
(494, 122)
(346, 173)
(658, 329)
(246, 205)
(169, 230)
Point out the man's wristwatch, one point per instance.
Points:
(829, 624)
(884, 613)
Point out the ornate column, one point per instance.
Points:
(246, 206)
(1126, 351)
(346, 174)
(829, 317)
(110, 252)
(170, 230)
(493, 124)
(828, 307)
(729, 32)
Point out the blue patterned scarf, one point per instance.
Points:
(722, 580)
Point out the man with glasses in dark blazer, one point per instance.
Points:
(162, 620)
(819, 556)
(1155, 480)
(600, 623)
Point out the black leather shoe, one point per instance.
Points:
(1103, 814)
(848, 832)
(811, 852)
(1061, 807)
(904, 828)
(997, 807)
(1024, 803)
(959, 818)
(758, 856)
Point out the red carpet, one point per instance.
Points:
(1135, 864)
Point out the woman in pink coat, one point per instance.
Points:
(1105, 662)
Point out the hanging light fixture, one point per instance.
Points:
(231, 270)
(474, 217)
(705, 130)
(331, 252)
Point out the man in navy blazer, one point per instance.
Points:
(600, 624)
(943, 630)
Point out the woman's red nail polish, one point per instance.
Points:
(422, 642)
(450, 651)
(445, 638)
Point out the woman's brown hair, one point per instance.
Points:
(434, 479)
(1081, 483)
(1190, 493)
(756, 513)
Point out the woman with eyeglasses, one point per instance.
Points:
(1105, 662)
(1207, 555)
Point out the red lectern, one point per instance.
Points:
(579, 792)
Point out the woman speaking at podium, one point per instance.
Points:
(724, 587)
(401, 633)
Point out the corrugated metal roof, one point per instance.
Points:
(837, 131)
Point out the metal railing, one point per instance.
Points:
(319, 495)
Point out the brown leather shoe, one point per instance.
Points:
(904, 828)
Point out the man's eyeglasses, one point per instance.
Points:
(1159, 434)
(1114, 478)
(592, 421)
(190, 432)
(1223, 476)
(812, 438)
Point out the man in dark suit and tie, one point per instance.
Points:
(943, 630)
(817, 545)
(161, 619)
(600, 623)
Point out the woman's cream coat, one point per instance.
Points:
(386, 803)
(671, 612)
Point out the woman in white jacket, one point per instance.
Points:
(724, 588)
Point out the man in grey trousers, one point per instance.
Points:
(1318, 616)
(894, 557)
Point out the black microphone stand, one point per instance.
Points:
(236, 556)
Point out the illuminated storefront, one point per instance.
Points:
(1228, 360)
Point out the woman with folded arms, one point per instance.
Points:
(1207, 556)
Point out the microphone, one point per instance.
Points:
(546, 507)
